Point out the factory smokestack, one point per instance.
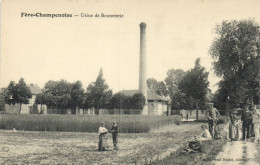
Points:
(142, 65)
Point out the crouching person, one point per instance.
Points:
(102, 143)
(196, 144)
(205, 135)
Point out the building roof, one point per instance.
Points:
(150, 95)
(35, 89)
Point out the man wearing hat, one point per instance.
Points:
(212, 115)
(246, 119)
(102, 131)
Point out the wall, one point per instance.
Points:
(25, 108)
(160, 109)
(12, 108)
(103, 112)
(151, 108)
(157, 108)
(41, 109)
(164, 108)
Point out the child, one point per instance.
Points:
(205, 135)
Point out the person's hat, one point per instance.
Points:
(102, 122)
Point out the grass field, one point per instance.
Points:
(210, 151)
(43, 147)
(84, 123)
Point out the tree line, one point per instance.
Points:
(63, 95)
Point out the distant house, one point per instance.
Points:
(157, 105)
(29, 108)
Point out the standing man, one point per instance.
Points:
(246, 119)
(212, 115)
(114, 131)
(102, 143)
(256, 121)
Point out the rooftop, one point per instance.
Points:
(35, 89)
(150, 95)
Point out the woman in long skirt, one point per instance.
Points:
(102, 131)
(233, 126)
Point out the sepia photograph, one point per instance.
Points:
(130, 82)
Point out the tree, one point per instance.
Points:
(10, 92)
(77, 95)
(117, 101)
(58, 95)
(162, 89)
(2, 98)
(18, 93)
(138, 101)
(57, 88)
(152, 84)
(180, 101)
(235, 51)
(40, 99)
(173, 79)
(128, 102)
(195, 84)
(156, 87)
(98, 93)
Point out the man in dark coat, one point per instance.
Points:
(246, 119)
(114, 131)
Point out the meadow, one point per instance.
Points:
(85, 123)
(73, 139)
(45, 147)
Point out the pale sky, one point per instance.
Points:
(41, 49)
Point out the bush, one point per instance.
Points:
(138, 101)
(84, 123)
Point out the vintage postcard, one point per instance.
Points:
(130, 82)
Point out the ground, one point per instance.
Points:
(157, 147)
(239, 152)
(80, 148)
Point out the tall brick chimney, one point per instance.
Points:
(142, 65)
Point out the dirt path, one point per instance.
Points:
(239, 153)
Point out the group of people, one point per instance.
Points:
(102, 132)
(250, 119)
